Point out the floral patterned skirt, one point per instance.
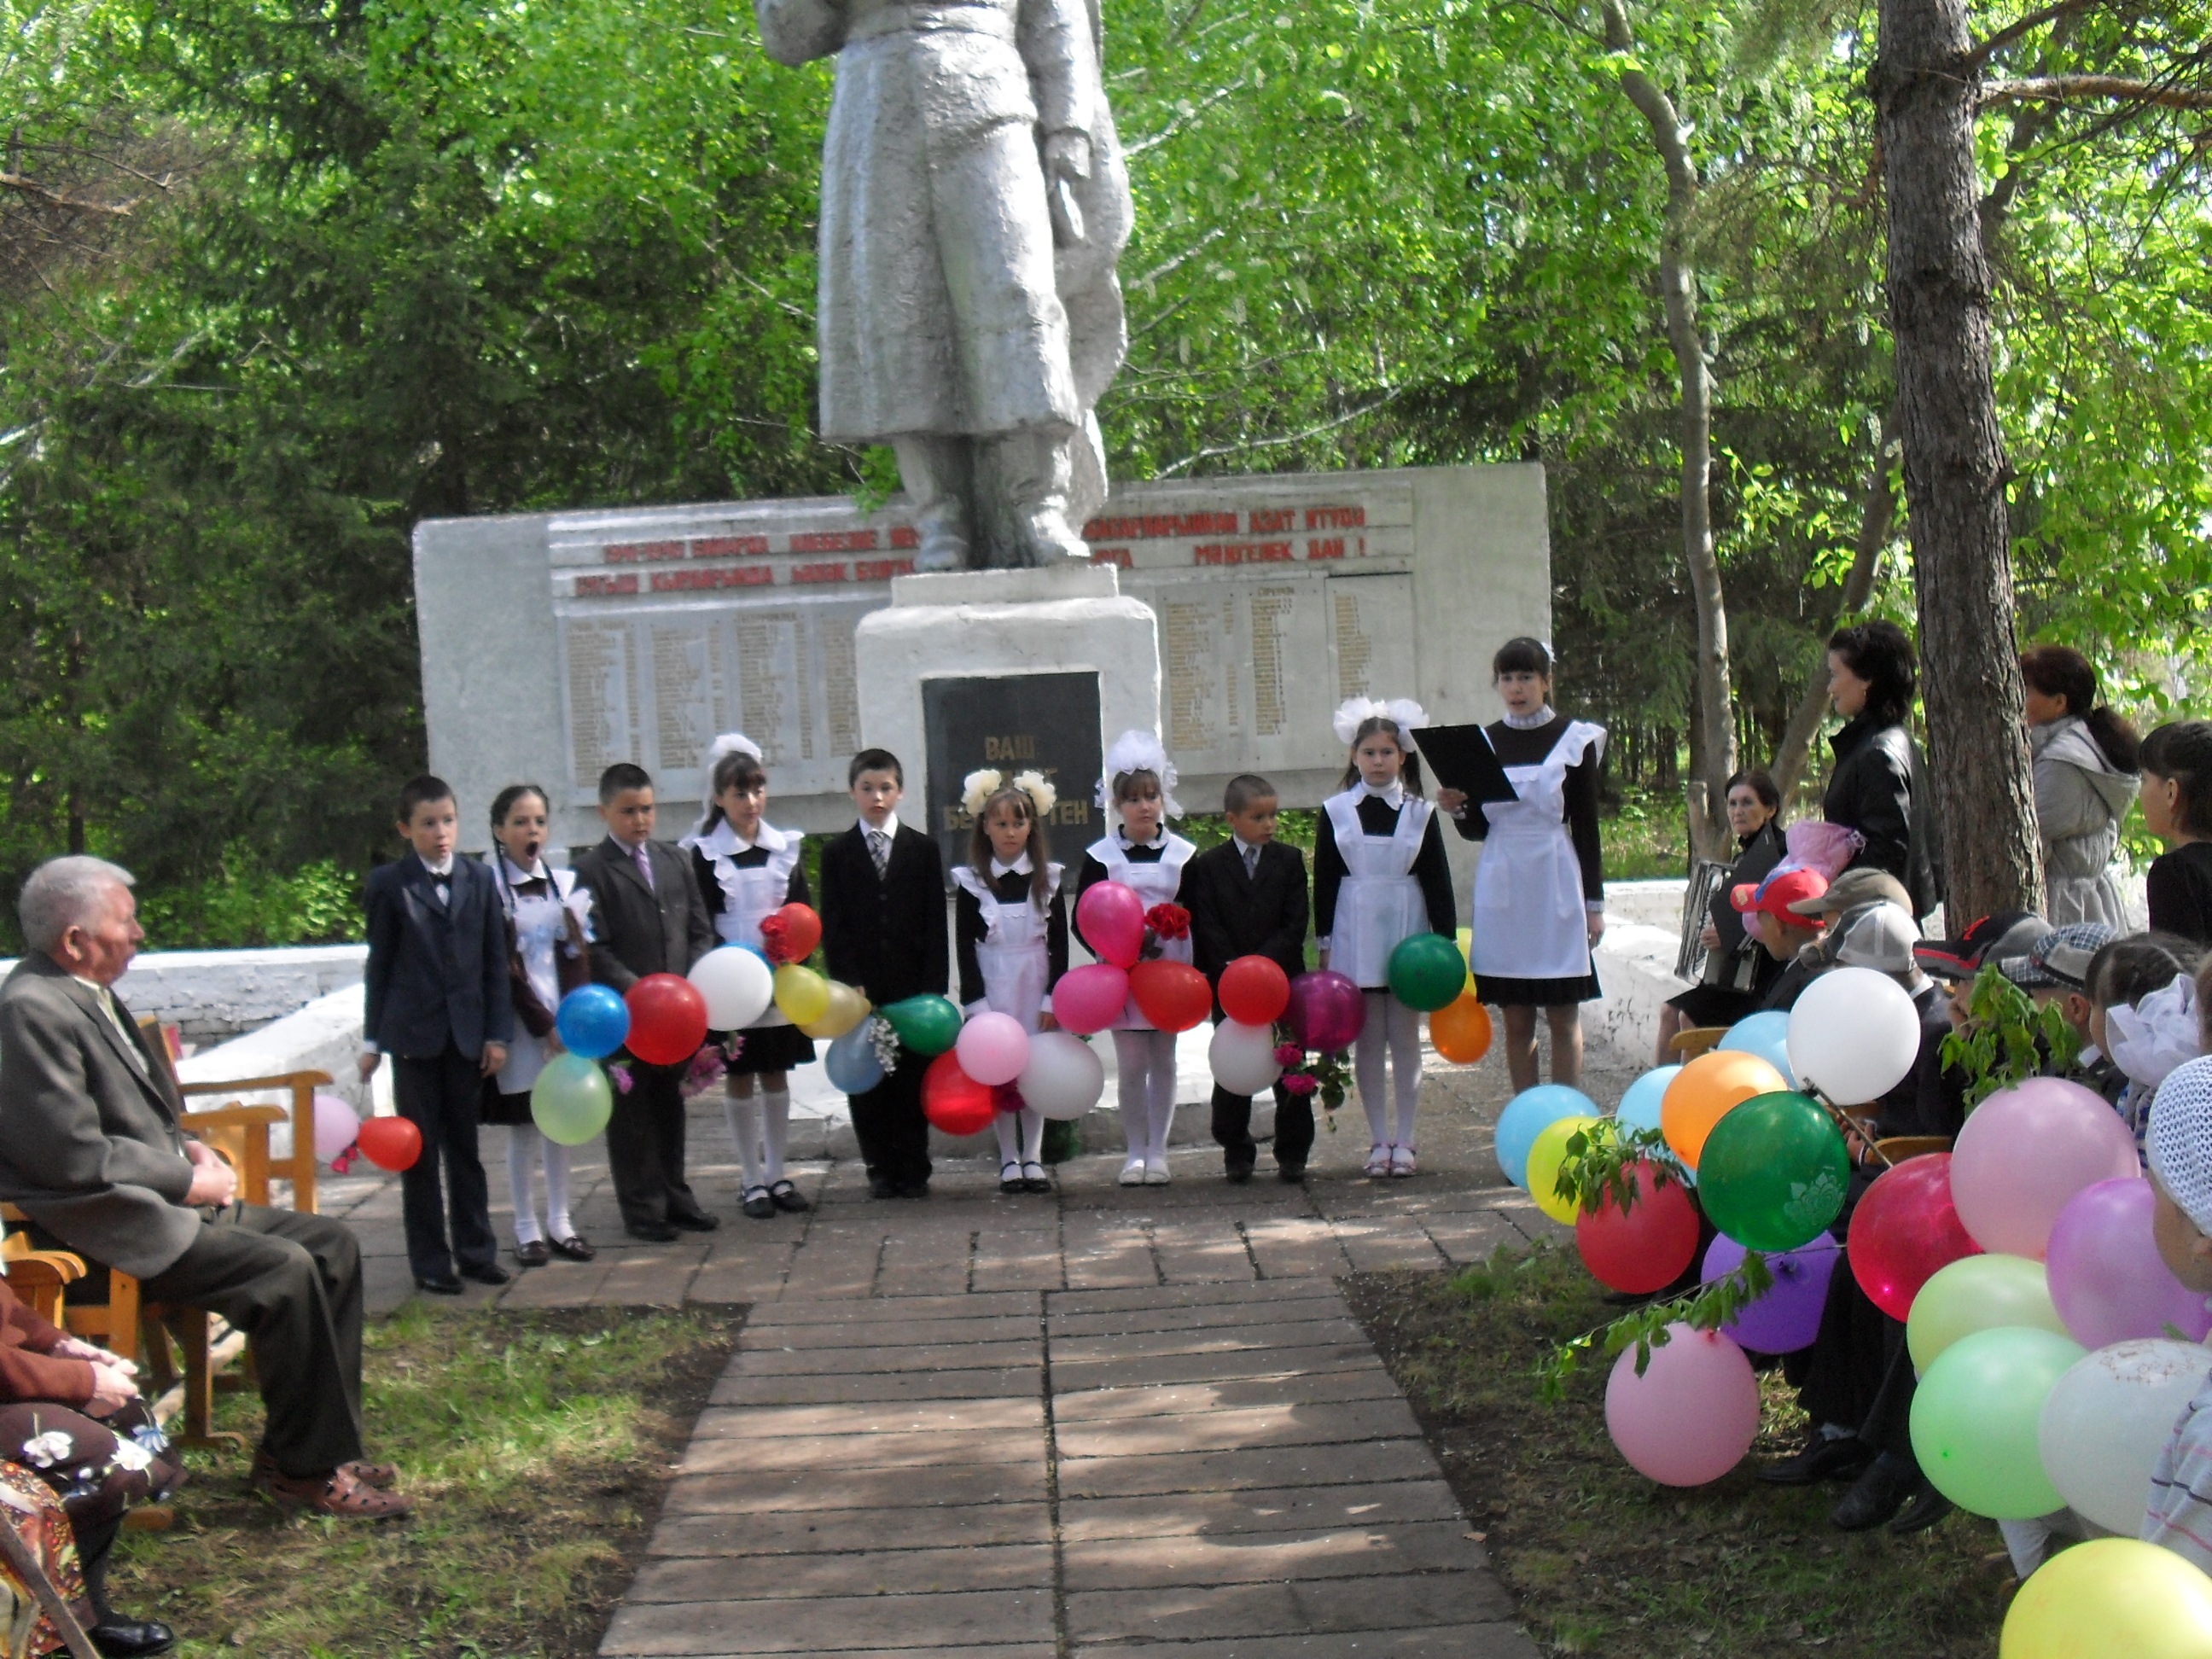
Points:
(32, 1509)
(97, 1466)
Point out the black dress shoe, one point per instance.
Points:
(1926, 1508)
(698, 1221)
(442, 1284)
(1839, 1458)
(914, 1189)
(120, 1640)
(535, 1254)
(1237, 1174)
(574, 1247)
(489, 1273)
(1291, 1174)
(652, 1232)
(882, 1186)
(788, 1199)
(1878, 1494)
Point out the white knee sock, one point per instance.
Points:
(556, 1190)
(1032, 1133)
(522, 1142)
(1161, 1104)
(1008, 1129)
(1133, 1087)
(744, 1114)
(1406, 1065)
(775, 1131)
(1368, 1055)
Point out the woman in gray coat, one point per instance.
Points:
(2086, 774)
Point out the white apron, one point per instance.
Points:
(1379, 902)
(1155, 884)
(540, 927)
(1528, 920)
(1016, 964)
(750, 895)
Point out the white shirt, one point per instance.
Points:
(889, 827)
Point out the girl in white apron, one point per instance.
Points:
(548, 921)
(1143, 854)
(747, 871)
(1010, 922)
(1379, 877)
(1540, 889)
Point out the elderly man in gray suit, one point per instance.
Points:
(89, 1147)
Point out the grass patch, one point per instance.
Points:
(538, 1447)
(1604, 1561)
(1646, 836)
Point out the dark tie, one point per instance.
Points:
(879, 849)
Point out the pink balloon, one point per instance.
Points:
(1111, 919)
(1090, 999)
(1693, 1414)
(338, 1125)
(1326, 1012)
(2106, 1280)
(993, 1049)
(2024, 1152)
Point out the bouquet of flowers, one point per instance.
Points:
(1328, 1076)
(708, 1065)
(1164, 922)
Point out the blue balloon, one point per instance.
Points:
(592, 1021)
(851, 1062)
(1527, 1116)
(1639, 1107)
(1768, 1035)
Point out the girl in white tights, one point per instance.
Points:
(1379, 877)
(1141, 854)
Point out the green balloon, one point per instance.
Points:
(927, 1024)
(1773, 1173)
(1427, 972)
(1975, 1415)
(1978, 1293)
(572, 1100)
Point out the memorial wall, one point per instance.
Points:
(555, 645)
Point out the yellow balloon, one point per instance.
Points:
(1465, 952)
(846, 1009)
(802, 993)
(2115, 1595)
(1544, 1157)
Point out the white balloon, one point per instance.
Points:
(1063, 1079)
(2108, 1419)
(1854, 1035)
(1242, 1057)
(737, 984)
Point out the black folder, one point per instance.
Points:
(1460, 758)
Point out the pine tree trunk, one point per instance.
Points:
(1925, 86)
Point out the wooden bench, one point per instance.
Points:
(1697, 1040)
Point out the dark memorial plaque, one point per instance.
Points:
(1015, 723)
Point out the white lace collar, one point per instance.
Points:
(1394, 797)
(1122, 833)
(1020, 867)
(515, 874)
(1543, 716)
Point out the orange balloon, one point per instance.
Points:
(1461, 1031)
(1705, 1091)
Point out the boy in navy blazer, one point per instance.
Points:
(436, 988)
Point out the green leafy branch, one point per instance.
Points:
(2009, 1038)
(1705, 1309)
(1601, 1161)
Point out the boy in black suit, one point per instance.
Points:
(884, 930)
(651, 919)
(1247, 897)
(436, 990)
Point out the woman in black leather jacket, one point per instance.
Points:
(1880, 786)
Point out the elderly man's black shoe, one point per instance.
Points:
(1840, 1458)
(121, 1641)
(1878, 1494)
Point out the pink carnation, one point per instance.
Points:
(1298, 1083)
(1289, 1054)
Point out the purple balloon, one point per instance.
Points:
(2106, 1280)
(1326, 1012)
(1787, 1317)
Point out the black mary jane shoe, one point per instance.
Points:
(574, 1247)
(1010, 1176)
(1035, 1180)
(535, 1254)
(127, 1639)
(758, 1205)
(788, 1199)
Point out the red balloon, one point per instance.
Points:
(667, 1019)
(1255, 991)
(1645, 1249)
(1905, 1229)
(800, 930)
(391, 1143)
(1173, 996)
(955, 1102)
(1111, 919)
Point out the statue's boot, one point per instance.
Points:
(1036, 470)
(935, 471)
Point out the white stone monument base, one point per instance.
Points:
(1070, 618)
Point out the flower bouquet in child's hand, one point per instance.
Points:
(1164, 922)
(1328, 1076)
(705, 1070)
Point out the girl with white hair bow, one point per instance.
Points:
(1379, 877)
(748, 870)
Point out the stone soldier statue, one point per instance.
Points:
(974, 203)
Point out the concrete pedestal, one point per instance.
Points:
(1070, 618)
